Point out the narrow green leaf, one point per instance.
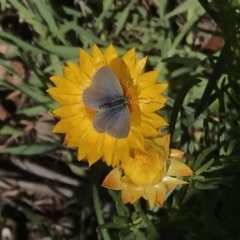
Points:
(122, 17)
(121, 208)
(183, 7)
(33, 111)
(186, 27)
(10, 39)
(202, 186)
(179, 103)
(29, 17)
(47, 16)
(202, 156)
(115, 225)
(35, 219)
(84, 34)
(31, 149)
(80, 171)
(32, 92)
(204, 167)
(8, 130)
(194, 62)
(3, 7)
(98, 211)
(212, 82)
(66, 52)
(106, 9)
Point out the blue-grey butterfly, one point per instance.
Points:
(105, 95)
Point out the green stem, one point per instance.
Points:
(151, 227)
(97, 207)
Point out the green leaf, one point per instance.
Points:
(29, 17)
(66, 52)
(212, 81)
(179, 103)
(184, 7)
(32, 92)
(115, 225)
(33, 111)
(204, 167)
(80, 171)
(10, 39)
(47, 16)
(84, 34)
(122, 17)
(194, 62)
(202, 156)
(106, 9)
(8, 130)
(35, 219)
(202, 186)
(121, 208)
(3, 7)
(31, 149)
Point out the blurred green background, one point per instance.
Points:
(46, 192)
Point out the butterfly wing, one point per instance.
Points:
(106, 81)
(115, 121)
(105, 88)
(94, 98)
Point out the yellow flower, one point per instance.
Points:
(143, 96)
(149, 173)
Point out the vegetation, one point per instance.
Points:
(45, 191)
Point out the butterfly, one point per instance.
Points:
(105, 95)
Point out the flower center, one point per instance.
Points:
(90, 113)
(131, 94)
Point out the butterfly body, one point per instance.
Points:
(121, 101)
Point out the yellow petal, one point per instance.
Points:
(147, 79)
(96, 151)
(130, 195)
(171, 183)
(148, 129)
(122, 149)
(135, 139)
(72, 72)
(71, 142)
(67, 111)
(176, 154)
(120, 69)
(87, 144)
(65, 86)
(139, 65)
(161, 192)
(65, 124)
(178, 168)
(86, 63)
(62, 98)
(163, 141)
(98, 58)
(129, 59)
(109, 146)
(110, 53)
(150, 195)
(153, 90)
(151, 107)
(154, 119)
(112, 180)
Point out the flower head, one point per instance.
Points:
(149, 173)
(88, 121)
